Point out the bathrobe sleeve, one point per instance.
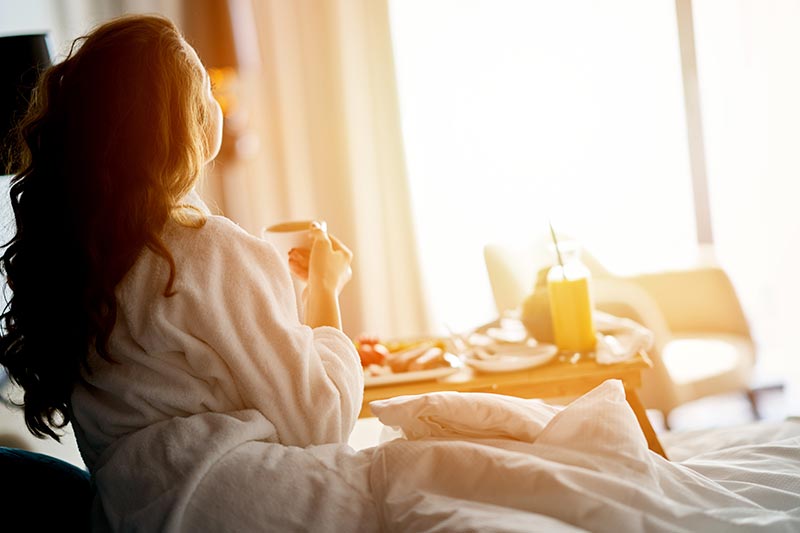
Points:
(234, 293)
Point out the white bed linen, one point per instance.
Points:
(585, 468)
(589, 468)
(684, 445)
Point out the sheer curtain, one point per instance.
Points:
(323, 107)
(750, 81)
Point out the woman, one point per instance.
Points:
(167, 336)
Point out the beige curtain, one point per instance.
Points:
(321, 139)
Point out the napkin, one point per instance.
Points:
(619, 339)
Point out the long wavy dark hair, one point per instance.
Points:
(115, 136)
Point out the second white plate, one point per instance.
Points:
(515, 359)
(406, 377)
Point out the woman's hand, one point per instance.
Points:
(328, 262)
(332, 255)
(298, 262)
(326, 269)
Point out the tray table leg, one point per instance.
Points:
(647, 428)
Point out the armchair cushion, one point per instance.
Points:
(702, 364)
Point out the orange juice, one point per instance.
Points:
(571, 309)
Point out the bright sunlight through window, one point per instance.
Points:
(516, 112)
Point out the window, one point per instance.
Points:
(516, 112)
(747, 55)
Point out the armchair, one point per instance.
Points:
(703, 344)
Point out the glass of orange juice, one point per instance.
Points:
(569, 291)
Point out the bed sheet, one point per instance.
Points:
(681, 446)
(586, 467)
(467, 462)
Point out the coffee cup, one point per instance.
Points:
(285, 236)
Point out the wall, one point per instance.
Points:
(67, 19)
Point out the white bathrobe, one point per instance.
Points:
(217, 386)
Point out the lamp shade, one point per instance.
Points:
(22, 59)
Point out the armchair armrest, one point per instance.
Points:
(696, 300)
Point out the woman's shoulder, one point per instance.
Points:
(218, 236)
(205, 233)
(203, 254)
(216, 260)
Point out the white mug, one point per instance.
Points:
(287, 235)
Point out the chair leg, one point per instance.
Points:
(753, 393)
(752, 397)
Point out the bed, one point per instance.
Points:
(471, 464)
(484, 462)
(464, 462)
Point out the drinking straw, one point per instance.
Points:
(555, 242)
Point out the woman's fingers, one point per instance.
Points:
(319, 228)
(329, 260)
(318, 234)
(339, 246)
(298, 262)
(300, 255)
(319, 224)
(298, 272)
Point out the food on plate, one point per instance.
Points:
(381, 357)
(399, 345)
(371, 351)
(400, 361)
(432, 358)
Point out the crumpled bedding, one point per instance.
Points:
(582, 468)
(588, 469)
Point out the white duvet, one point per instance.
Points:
(537, 468)
(587, 469)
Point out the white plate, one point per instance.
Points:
(516, 359)
(406, 377)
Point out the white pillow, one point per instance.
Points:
(465, 414)
(601, 422)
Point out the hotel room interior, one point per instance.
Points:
(442, 139)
